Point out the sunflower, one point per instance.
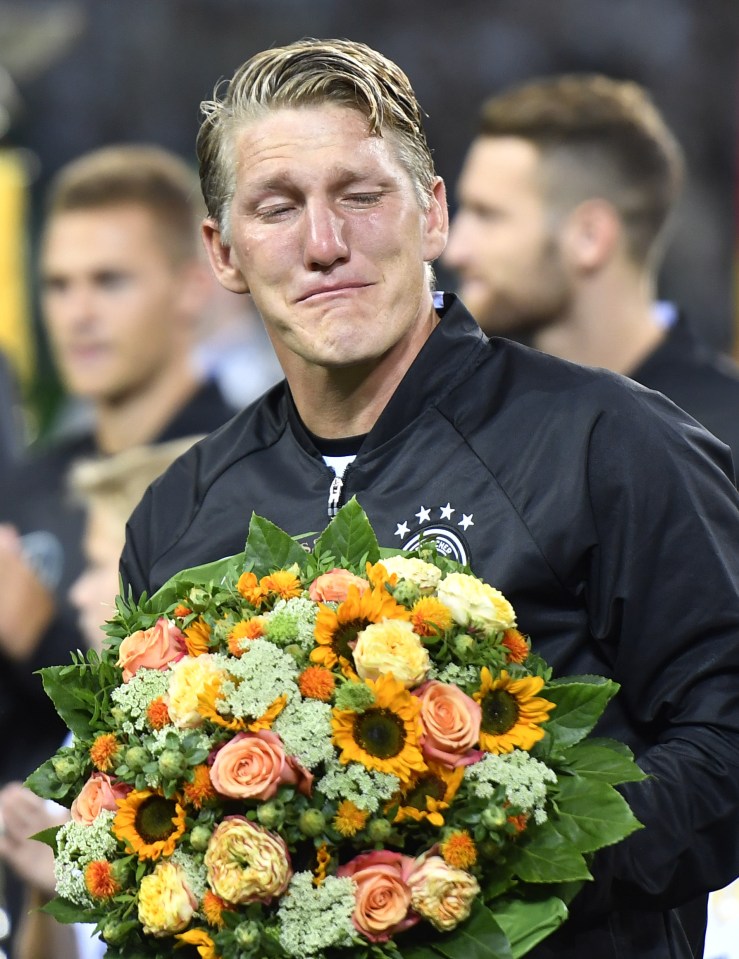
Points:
(149, 823)
(337, 629)
(512, 713)
(386, 736)
(428, 793)
(202, 942)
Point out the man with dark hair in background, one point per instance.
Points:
(564, 207)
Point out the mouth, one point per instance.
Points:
(333, 291)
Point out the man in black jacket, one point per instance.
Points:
(564, 205)
(606, 515)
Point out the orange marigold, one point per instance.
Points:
(197, 637)
(515, 643)
(349, 819)
(99, 879)
(249, 629)
(213, 908)
(519, 822)
(251, 589)
(103, 752)
(284, 583)
(315, 682)
(200, 790)
(459, 850)
(157, 713)
(180, 611)
(430, 616)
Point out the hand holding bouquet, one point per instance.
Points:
(292, 754)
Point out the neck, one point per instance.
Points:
(610, 324)
(335, 402)
(139, 417)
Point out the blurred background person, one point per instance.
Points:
(564, 207)
(108, 488)
(123, 282)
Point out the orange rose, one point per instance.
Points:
(99, 792)
(383, 903)
(254, 766)
(152, 648)
(333, 586)
(451, 724)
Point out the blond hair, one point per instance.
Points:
(597, 137)
(305, 73)
(134, 174)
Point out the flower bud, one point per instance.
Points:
(67, 767)
(406, 593)
(118, 715)
(136, 758)
(200, 837)
(171, 763)
(379, 830)
(198, 597)
(312, 822)
(114, 932)
(271, 814)
(493, 817)
(120, 870)
(247, 935)
(463, 644)
(296, 652)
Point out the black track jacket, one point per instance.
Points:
(606, 515)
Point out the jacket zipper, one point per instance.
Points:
(334, 496)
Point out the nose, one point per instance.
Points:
(325, 237)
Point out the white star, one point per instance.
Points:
(402, 529)
(446, 511)
(466, 520)
(424, 515)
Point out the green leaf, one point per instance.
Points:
(603, 759)
(527, 923)
(68, 688)
(48, 836)
(479, 937)
(45, 783)
(269, 548)
(580, 704)
(547, 859)
(65, 911)
(349, 537)
(591, 814)
(216, 572)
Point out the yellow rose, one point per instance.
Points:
(391, 646)
(166, 905)
(423, 575)
(187, 681)
(474, 603)
(441, 893)
(245, 863)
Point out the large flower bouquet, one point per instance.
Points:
(336, 753)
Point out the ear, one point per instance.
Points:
(222, 259)
(592, 234)
(436, 222)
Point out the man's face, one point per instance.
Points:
(111, 299)
(502, 242)
(329, 238)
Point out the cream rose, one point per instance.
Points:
(188, 678)
(166, 904)
(333, 586)
(245, 863)
(474, 603)
(254, 765)
(423, 575)
(391, 646)
(451, 724)
(441, 893)
(383, 899)
(152, 648)
(99, 792)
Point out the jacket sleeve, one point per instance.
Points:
(663, 592)
(136, 559)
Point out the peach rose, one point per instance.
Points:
(451, 724)
(383, 903)
(441, 893)
(152, 648)
(391, 646)
(166, 904)
(99, 792)
(246, 863)
(254, 766)
(333, 586)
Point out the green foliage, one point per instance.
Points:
(527, 922)
(580, 702)
(269, 548)
(479, 937)
(80, 691)
(349, 539)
